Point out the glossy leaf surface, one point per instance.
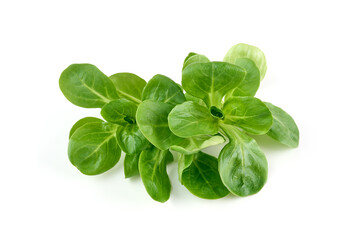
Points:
(195, 58)
(191, 119)
(195, 144)
(82, 122)
(248, 113)
(162, 89)
(201, 177)
(211, 81)
(152, 119)
(152, 167)
(120, 111)
(93, 148)
(284, 128)
(242, 50)
(129, 86)
(130, 139)
(86, 86)
(242, 165)
(131, 165)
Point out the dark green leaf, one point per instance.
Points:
(130, 139)
(129, 86)
(247, 51)
(201, 177)
(284, 129)
(152, 119)
(152, 167)
(131, 165)
(191, 119)
(242, 165)
(195, 144)
(248, 113)
(86, 86)
(162, 89)
(82, 122)
(211, 81)
(93, 148)
(120, 111)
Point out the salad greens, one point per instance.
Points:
(150, 121)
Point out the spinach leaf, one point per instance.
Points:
(130, 139)
(284, 129)
(131, 165)
(129, 86)
(194, 58)
(242, 50)
(82, 122)
(211, 81)
(152, 118)
(248, 113)
(86, 86)
(93, 148)
(251, 82)
(152, 167)
(191, 119)
(120, 111)
(242, 165)
(199, 174)
(162, 89)
(195, 144)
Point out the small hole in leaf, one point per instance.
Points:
(215, 112)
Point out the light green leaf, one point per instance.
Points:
(195, 99)
(152, 119)
(120, 111)
(86, 86)
(130, 139)
(248, 113)
(162, 89)
(82, 122)
(242, 165)
(129, 86)
(200, 175)
(284, 129)
(93, 148)
(191, 119)
(195, 144)
(194, 58)
(251, 82)
(242, 50)
(131, 165)
(211, 81)
(152, 167)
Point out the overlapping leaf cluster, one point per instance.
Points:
(147, 120)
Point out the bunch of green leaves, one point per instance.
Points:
(148, 121)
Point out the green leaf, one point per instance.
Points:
(195, 99)
(201, 177)
(162, 89)
(195, 144)
(86, 86)
(152, 167)
(131, 165)
(191, 119)
(152, 119)
(194, 58)
(211, 81)
(93, 148)
(242, 165)
(130, 139)
(82, 122)
(242, 50)
(251, 82)
(129, 86)
(183, 163)
(248, 113)
(284, 129)
(120, 111)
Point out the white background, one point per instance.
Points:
(312, 50)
